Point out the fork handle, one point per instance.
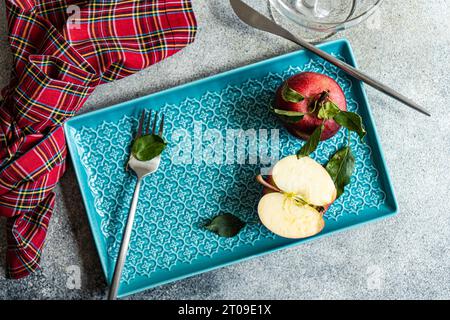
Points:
(124, 246)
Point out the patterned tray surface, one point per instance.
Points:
(195, 184)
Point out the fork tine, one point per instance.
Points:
(161, 126)
(147, 130)
(154, 123)
(141, 123)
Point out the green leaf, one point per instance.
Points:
(290, 95)
(289, 116)
(148, 147)
(340, 167)
(225, 225)
(328, 110)
(352, 121)
(288, 113)
(311, 145)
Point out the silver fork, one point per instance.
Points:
(142, 169)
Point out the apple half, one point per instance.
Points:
(301, 190)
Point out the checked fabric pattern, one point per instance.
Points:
(62, 50)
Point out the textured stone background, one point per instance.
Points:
(408, 46)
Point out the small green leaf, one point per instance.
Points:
(225, 225)
(352, 121)
(340, 167)
(148, 147)
(289, 116)
(328, 110)
(288, 113)
(311, 145)
(290, 95)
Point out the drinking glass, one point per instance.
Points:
(316, 20)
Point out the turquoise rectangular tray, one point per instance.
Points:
(169, 241)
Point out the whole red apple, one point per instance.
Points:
(315, 88)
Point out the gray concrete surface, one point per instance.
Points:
(408, 256)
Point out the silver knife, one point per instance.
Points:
(256, 20)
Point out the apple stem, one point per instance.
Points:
(264, 183)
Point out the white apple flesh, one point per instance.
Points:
(284, 217)
(305, 178)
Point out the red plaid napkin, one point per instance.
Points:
(62, 50)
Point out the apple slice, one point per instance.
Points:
(282, 215)
(306, 179)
